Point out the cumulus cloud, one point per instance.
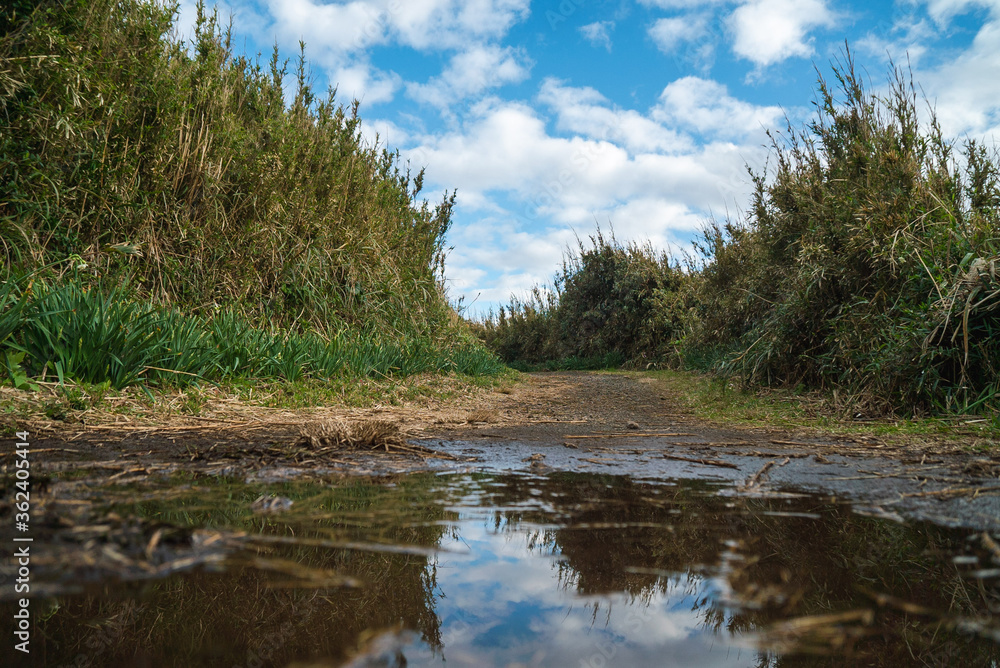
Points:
(435, 24)
(330, 30)
(688, 38)
(363, 82)
(671, 33)
(640, 171)
(422, 24)
(584, 111)
(965, 91)
(942, 11)
(471, 72)
(766, 32)
(705, 106)
(599, 33)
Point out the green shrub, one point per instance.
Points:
(184, 166)
(867, 263)
(611, 302)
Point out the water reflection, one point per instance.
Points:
(565, 570)
(515, 601)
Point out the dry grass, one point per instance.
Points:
(481, 415)
(369, 434)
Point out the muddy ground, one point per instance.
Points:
(597, 422)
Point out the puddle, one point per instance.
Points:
(474, 569)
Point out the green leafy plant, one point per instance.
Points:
(18, 378)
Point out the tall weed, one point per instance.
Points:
(183, 165)
(868, 263)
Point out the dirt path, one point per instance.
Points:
(594, 422)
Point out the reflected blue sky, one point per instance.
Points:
(504, 600)
(569, 570)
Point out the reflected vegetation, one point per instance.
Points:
(481, 570)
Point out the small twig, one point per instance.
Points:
(953, 491)
(767, 467)
(624, 434)
(706, 462)
(136, 469)
(991, 545)
(595, 460)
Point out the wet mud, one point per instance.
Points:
(584, 422)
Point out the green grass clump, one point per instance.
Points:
(69, 331)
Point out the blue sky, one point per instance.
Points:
(552, 117)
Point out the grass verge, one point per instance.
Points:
(713, 398)
(240, 399)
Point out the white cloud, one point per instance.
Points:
(770, 31)
(599, 33)
(965, 91)
(470, 73)
(706, 107)
(436, 24)
(584, 111)
(942, 11)
(363, 82)
(329, 29)
(422, 24)
(688, 38)
(500, 149)
(670, 33)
